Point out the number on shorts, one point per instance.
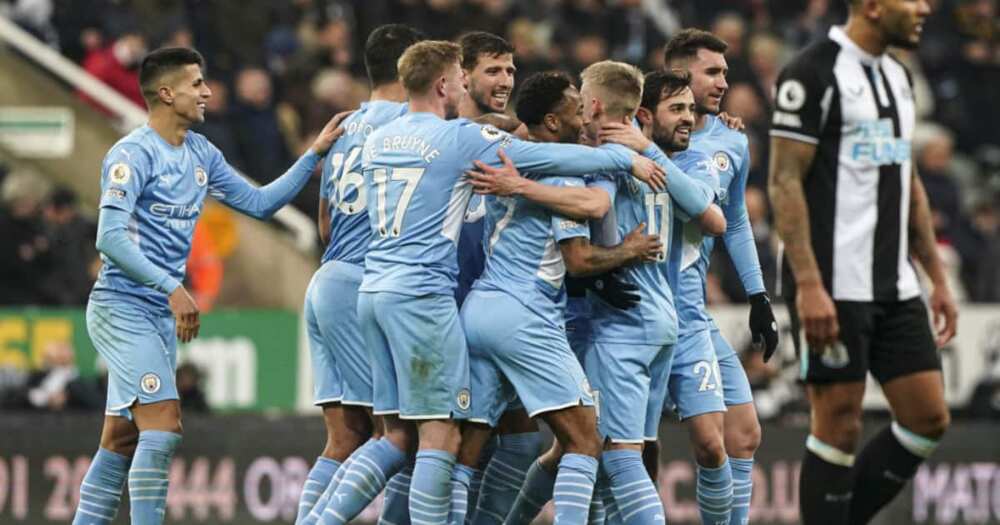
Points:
(708, 371)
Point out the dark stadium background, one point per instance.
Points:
(279, 69)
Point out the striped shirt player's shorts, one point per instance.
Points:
(888, 338)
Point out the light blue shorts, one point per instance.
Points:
(514, 350)
(340, 361)
(736, 386)
(140, 349)
(621, 376)
(695, 384)
(659, 377)
(420, 363)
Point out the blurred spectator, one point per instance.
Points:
(258, 133)
(33, 16)
(116, 65)
(25, 259)
(934, 148)
(71, 248)
(979, 245)
(204, 268)
(219, 126)
(189, 379)
(533, 53)
(766, 54)
(634, 36)
(57, 385)
(766, 244)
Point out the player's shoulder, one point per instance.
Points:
(692, 158)
(138, 145)
(727, 135)
(817, 59)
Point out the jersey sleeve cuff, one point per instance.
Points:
(801, 137)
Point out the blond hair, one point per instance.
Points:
(618, 85)
(424, 62)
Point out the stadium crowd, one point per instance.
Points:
(279, 69)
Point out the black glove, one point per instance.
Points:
(610, 286)
(763, 327)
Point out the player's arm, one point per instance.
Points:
(584, 259)
(923, 246)
(126, 172)
(797, 124)
(694, 197)
(739, 233)
(743, 254)
(264, 201)
(577, 202)
(790, 161)
(570, 160)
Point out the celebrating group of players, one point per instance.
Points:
(439, 323)
(483, 272)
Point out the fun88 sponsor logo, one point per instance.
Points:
(875, 143)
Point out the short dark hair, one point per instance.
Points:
(540, 94)
(62, 197)
(482, 43)
(663, 83)
(685, 45)
(384, 47)
(162, 61)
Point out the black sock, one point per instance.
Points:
(824, 491)
(881, 471)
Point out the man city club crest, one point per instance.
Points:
(200, 176)
(120, 173)
(721, 161)
(150, 383)
(463, 399)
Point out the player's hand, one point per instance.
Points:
(732, 122)
(625, 134)
(330, 133)
(763, 327)
(186, 314)
(649, 172)
(817, 315)
(644, 248)
(945, 315)
(503, 181)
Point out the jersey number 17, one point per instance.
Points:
(410, 177)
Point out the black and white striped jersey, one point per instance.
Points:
(859, 111)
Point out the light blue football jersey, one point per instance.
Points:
(523, 257)
(414, 168)
(726, 152)
(653, 321)
(344, 186)
(163, 187)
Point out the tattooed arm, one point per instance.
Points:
(923, 246)
(790, 161)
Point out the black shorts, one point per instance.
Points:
(891, 339)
